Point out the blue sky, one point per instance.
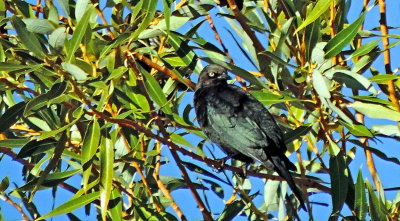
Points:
(389, 174)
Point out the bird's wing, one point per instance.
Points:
(225, 122)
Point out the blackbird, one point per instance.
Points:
(240, 124)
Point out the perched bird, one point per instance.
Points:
(240, 124)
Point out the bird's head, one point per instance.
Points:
(212, 75)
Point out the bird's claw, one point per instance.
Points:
(221, 164)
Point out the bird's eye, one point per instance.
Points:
(211, 74)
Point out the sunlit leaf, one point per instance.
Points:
(71, 205)
(343, 38)
(361, 198)
(376, 111)
(317, 11)
(339, 182)
(11, 116)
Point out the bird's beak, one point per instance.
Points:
(224, 77)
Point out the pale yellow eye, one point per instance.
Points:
(211, 74)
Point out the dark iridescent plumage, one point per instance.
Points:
(240, 124)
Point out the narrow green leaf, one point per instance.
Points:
(271, 194)
(357, 129)
(339, 181)
(317, 11)
(64, 5)
(377, 209)
(73, 44)
(353, 80)
(183, 50)
(297, 133)
(36, 25)
(57, 38)
(376, 111)
(149, 9)
(8, 67)
(388, 130)
(384, 78)
(106, 174)
(4, 184)
(155, 92)
(361, 206)
(321, 84)
(364, 49)
(178, 139)
(197, 169)
(89, 149)
(11, 143)
(11, 116)
(80, 9)
(115, 205)
(232, 210)
(71, 205)
(27, 38)
(42, 100)
(77, 114)
(343, 38)
(35, 147)
(312, 35)
(269, 98)
(76, 71)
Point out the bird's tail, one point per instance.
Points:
(283, 170)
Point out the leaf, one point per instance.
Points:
(312, 35)
(357, 129)
(183, 50)
(343, 38)
(388, 130)
(27, 38)
(115, 205)
(297, 133)
(376, 111)
(11, 116)
(57, 38)
(178, 139)
(317, 11)
(364, 49)
(8, 67)
(71, 205)
(80, 8)
(106, 174)
(268, 98)
(11, 143)
(73, 44)
(162, 26)
(321, 84)
(40, 101)
(384, 78)
(271, 195)
(89, 149)
(4, 184)
(353, 80)
(76, 71)
(77, 114)
(339, 182)
(361, 205)
(35, 147)
(231, 210)
(197, 169)
(40, 26)
(377, 209)
(149, 9)
(156, 93)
